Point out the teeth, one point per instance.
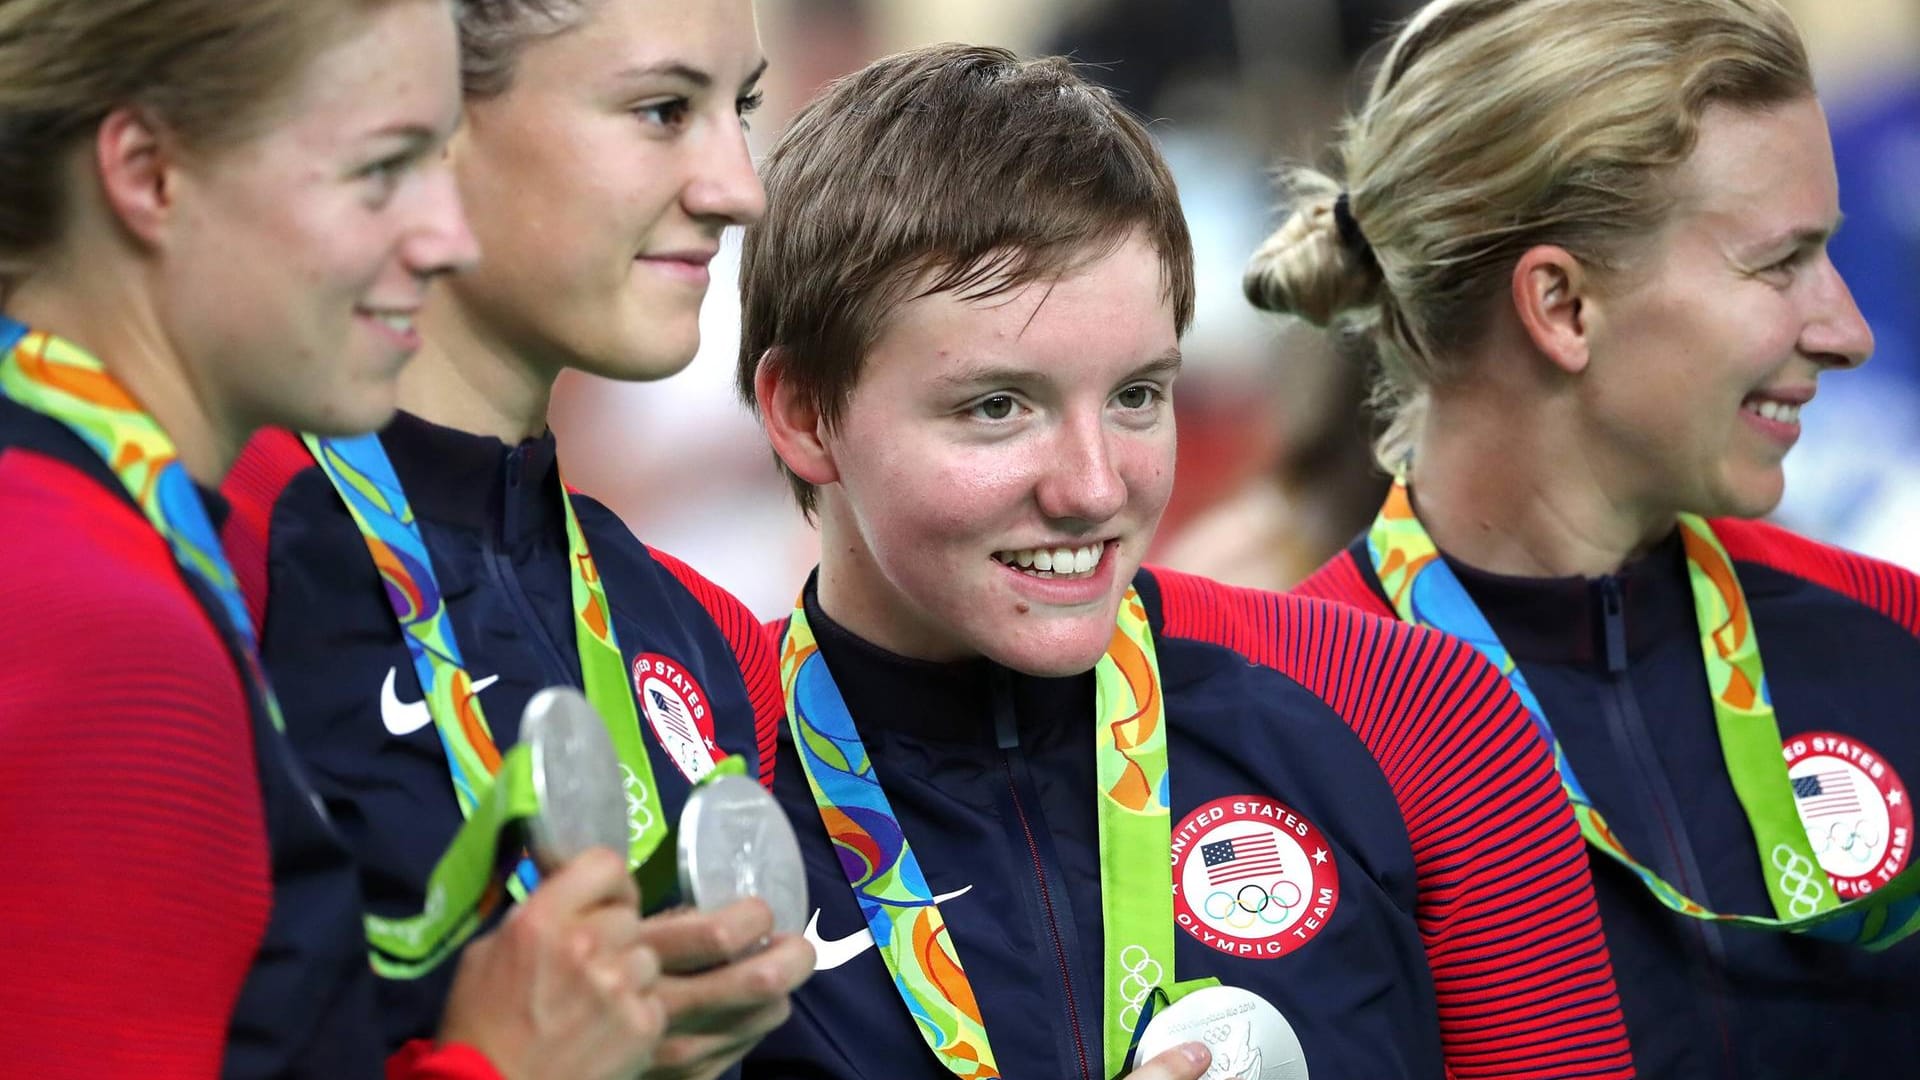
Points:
(1776, 410)
(1054, 562)
(398, 323)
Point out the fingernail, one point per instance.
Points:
(1196, 1053)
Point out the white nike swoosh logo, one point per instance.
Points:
(828, 955)
(406, 717)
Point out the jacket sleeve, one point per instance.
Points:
(1505, 903)
(137, 884)
(423, 1059)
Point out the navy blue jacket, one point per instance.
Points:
(304, 1008)
(1436, 913)
(1615, 662)
(493, 523)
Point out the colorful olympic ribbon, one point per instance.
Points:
(1136, 875)
(61, 380)
(1424, 590)
(363, 476)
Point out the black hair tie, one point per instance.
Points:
(1350, 234)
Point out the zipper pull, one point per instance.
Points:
(1006, 727)
(1613, 609)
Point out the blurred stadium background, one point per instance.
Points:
(1274, 470)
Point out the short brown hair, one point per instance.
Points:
(214, 71)
(1495, 126)
(954, 168)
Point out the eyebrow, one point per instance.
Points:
(419, 139)
(1804, 237)
(680, 69)
(991, 374)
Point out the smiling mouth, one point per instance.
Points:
(400, 322)
(1054, 562)
(1768, 409)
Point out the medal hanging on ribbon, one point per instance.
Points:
(1424, 590)
(362, 474)
(60, 380)
(1136, 874)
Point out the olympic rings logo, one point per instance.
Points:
(1796, 880)
(1141, 973)
(639, 814)
(1251, 904)
(1858, 843)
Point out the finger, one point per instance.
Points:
(731, 996)
(595, 877)
(1184, 1062)
(690, 941)
(609, 928)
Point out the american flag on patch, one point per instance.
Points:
(1826, 794)
(676, 718)
(1238, 858)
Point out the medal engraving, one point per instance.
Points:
(1249, 1038)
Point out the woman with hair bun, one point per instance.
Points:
(214, 216)
(1588, 238)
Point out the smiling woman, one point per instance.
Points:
(1589, 240)
(212, 216)
(603, 154)
(1058, 789)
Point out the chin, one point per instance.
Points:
(1749, 497)
(645, 357)
(371, 409)
(1055, 652)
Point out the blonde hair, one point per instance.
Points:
(493, 33)
(1495, 126)
(214, 72)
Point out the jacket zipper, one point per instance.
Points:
(1633, 743)
(1007, 739)
(500, 565)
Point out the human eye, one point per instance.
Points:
(746, 105)
(670, 114)
(381, 179)
(994, 408)
(1140, 396)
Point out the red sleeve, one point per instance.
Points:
(137, 882)
(1341, 581)
(753, 651)
(267, 464)
(1505, 905)
(1888, 589)
(421, 1059)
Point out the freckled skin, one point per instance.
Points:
(1059, 434)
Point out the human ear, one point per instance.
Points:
(1551, 297)
(793, 422)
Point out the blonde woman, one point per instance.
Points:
(1589, 239)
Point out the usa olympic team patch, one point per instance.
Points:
(1252, 878)
(1855, 809)
(676, 708)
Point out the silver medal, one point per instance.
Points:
(1249, 1038)
(736, 842)
(576, 776)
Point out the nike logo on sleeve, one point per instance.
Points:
(403, 718)
(828, 955)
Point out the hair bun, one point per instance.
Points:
(1311, 267)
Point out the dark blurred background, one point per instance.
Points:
(1274, 469)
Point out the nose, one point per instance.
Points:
(724, 186)
(438, 238)
(1079, 480)
(1836, 335)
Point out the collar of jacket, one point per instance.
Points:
(950, 702)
